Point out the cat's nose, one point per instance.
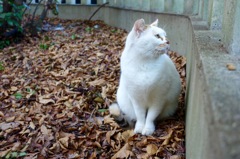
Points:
(167, 42)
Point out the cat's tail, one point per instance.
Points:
(114, 110)
(116, 113)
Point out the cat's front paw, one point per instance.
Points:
(138, 128)
(148, 131)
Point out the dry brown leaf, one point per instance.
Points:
(44, 130)
(109, 120)
(231, 67)
(10, 119)
(4, 152)
(97, 82)
(32, 125)
(152, 149)
(175, 157)
(167, 137)
(44, 100)
(1, 114)
(16, 146)
(14, 89)
(109, 134)
(64, 141)
(11, 125)
(41, 120)
(127, 134)
(143, 155)
(124, 152)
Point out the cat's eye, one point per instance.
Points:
(158, 36)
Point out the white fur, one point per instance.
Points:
(149, 83)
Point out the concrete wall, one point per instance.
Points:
(231, 26)
(213, 94)
(176, 28)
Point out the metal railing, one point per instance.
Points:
(168, 6)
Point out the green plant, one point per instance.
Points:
(44, 46)
(13, 155)
(1, 66)
(18, 95)
(88, 29)
(12, 18)
(4, 43)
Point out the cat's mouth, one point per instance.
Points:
(161, 49)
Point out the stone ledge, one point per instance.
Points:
(223, 91)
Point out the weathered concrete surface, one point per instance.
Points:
(224, 90)
(231, 26)
(213, 108)
(215, 20)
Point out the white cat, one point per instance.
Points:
(149, 84)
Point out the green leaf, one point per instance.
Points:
(1, 8)
(73, 37)
(113, 30)
(8, 156)
(102, 110)
(88, 29)
(55, 10)
(10, 22)
(1, 66)
(22, 154)
(46, 38)
(14, 154)
(1, 22)
(18, 95)
(30, 91)
(44, 46)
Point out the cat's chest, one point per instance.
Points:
(141, 74)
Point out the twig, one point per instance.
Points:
(98, 10)
(26, 7)
(76, 89)
(35, 10)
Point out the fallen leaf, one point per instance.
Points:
(10, 119)
(44, 129)
(152, 149)
(11, 125)
(124, 152)
(1, 114)
(231, 67)
(64, 141)
(32, 126)
(167, 137)
(175, 157)
(127, 134)
(44, 100)
(109, 134)
(4, 152)
(97, 82)
(13, 88)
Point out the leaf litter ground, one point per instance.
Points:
(55, 90)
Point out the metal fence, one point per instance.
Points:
(189, 7)
(77, 2)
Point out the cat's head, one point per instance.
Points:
(149, 38)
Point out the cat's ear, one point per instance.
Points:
(155, 23)
(139, 26)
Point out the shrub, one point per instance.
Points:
(13, 18)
